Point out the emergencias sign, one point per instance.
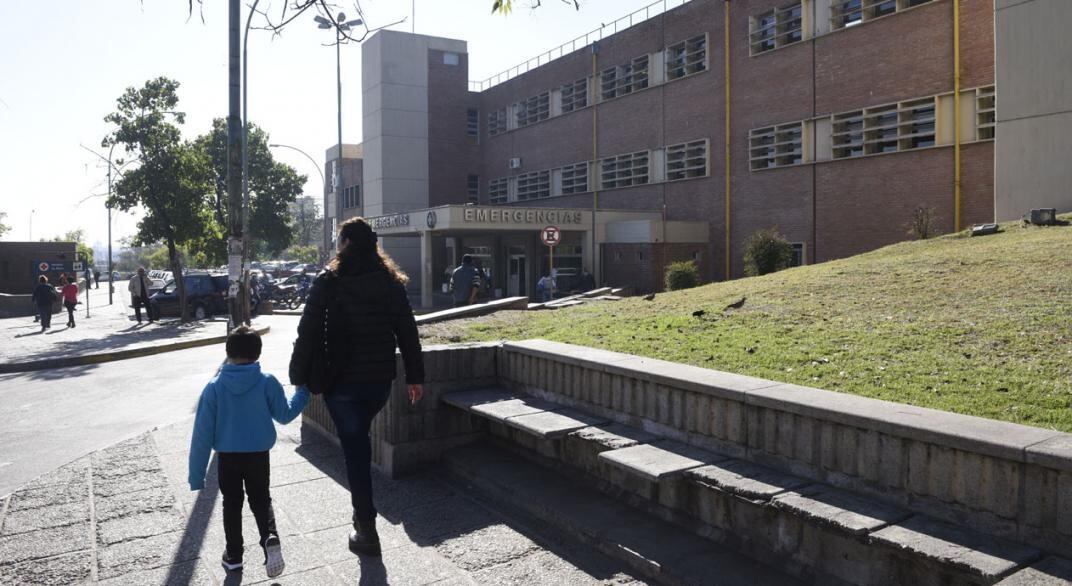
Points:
(392, 221)
(507, 216)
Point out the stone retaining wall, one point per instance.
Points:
(1004, 479)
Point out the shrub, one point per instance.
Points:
(922, 224)
(681, 275)
(766, 251)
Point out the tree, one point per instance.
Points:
(4, 228)
(173, 180)
(306, 221)
(273, 189)
(505, 6)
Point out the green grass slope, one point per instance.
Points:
(980, 326)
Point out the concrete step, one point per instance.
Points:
(814, 531)
(657, 550)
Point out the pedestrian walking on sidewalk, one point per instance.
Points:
(70, 300)
(234, 417)
(44, 295)
(464, 282)
(355, 316)
(96, 279)
(139, 294)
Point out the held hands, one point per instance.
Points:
(415, 393)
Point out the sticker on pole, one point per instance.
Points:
(551, 236)
(77, 266)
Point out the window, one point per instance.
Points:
(776, 28)
(686, 160)
(625, 79)
(575, 95)
(624, 170)
(472, 122)
(985, 113)
(450, 58)
(880, 130)
(686, 57)
(575, 178)
(776, 146)
(848, 135)
(799, 257)
(472, 188)
(845, 13)
(498, 190)
(497, 122)
(534, 109)
(917, 124)
(534, 185)
(351, 196)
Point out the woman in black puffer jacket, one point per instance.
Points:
(360, 302)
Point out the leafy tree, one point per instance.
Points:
(173, 180)
(303, 254)
(505, 6)
(308, 224)
(78, 236)
(273, 189)
(4, 228)
(766, 251)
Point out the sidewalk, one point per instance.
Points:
(124, 515)
(109, 329)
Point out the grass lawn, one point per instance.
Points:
(980, 326)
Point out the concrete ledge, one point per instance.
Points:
(745, 479)
(554, 424)
(658, 460)
(839, 509)
(475, 310)
(112, 356)
(1052, 571)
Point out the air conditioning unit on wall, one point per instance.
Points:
(515, 162)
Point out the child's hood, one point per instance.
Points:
(240, 378)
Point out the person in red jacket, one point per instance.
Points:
(70, 299)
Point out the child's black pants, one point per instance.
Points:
(253, 470)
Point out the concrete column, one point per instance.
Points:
(427, 279)
(591, 256)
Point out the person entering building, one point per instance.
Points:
(587, 282)
(464, 281)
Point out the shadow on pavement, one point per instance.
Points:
(433, 511)
(196, 527)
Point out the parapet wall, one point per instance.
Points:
(1004, 479)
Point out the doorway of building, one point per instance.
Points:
(516, 276)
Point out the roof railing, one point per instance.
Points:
(653, 9)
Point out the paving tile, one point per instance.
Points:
(405, 565)
(332, 544)
(435, 522)
(25, 520)
(394, 497)
(543, 568)
(155, 499)
(147, 553)
(73, 473)
(486, 547)
(139, 525)
(44, 543)
(49, 495)
(315, 577)
(55, 571)
(190, 573)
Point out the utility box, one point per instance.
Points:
(1044, 216)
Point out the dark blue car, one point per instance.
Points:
(206, 295)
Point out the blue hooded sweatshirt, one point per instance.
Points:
(235, 414)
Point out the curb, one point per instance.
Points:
(116, 355)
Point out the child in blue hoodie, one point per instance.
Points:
(234, 417)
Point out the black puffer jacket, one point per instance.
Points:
(369, 317)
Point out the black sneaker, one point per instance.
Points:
(364, 539)
(232, 563)
(273, 556)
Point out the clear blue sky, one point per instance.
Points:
(65, 63)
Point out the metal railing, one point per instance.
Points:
(653, 9)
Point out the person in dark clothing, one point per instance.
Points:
(44, 295)
(96, 279)
(356, 314)
(463, 280)
(587, 282)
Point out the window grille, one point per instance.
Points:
(473, 188)
(499, 190)
(776, 28)
(534, 109)
(686, 160)
(575, 178)
(880, 130)
(575, 95)
(534, 185)
(848, 135)
(472, 122)
(985, 113)
(624, 170)
(497, 122)
(686, 57)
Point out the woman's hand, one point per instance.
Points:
(415, 393)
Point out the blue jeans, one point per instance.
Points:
(352, 408)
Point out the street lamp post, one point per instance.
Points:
(31, 225)
(341, 25)
(323, 180)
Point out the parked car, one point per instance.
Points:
(206, 295)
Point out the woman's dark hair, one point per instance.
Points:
(42, 279)
(363, 250)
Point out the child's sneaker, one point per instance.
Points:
(273, 557)
(231, 563)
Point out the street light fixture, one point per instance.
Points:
(316, 166)
(340, 25)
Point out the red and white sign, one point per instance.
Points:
(43, 267)
(551, 236)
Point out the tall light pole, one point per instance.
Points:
(31, 225)
(245, 164)
(340, 25)
(323, 180)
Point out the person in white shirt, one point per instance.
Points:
(139, 294)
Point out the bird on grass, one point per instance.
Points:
(649, 297)
(698, 313)
(736, 304)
